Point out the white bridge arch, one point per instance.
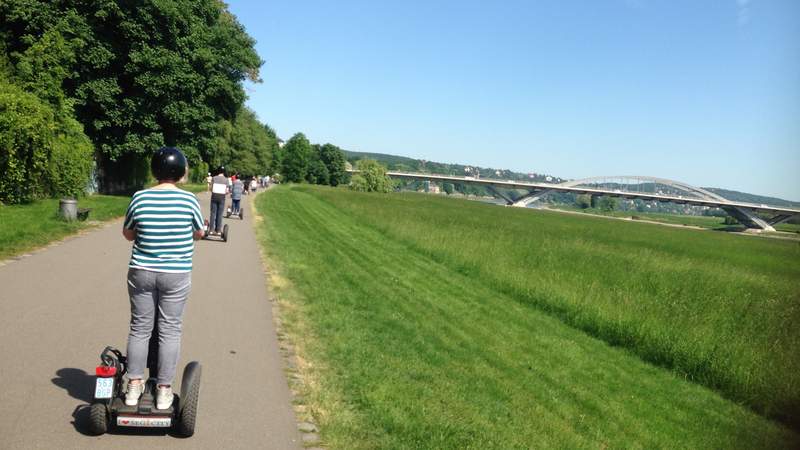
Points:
(631, 187)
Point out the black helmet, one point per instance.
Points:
(220, 170)
(168, 163)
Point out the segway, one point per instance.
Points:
(109, 410)
(230, 213)
(213, 237)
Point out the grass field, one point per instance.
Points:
(436, 323)
(713, 223)
(191, 187)
(25, 227)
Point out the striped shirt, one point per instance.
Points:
(164, 220)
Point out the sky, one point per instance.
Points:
(704, 92)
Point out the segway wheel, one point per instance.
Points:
(190, 395)
(241, 214)
(98, 418)
(225, 233)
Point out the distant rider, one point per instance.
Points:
(236, 196)
(163, 222)
(219, 188)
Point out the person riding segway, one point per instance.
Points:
(219, 189)
(237, 189)
(163, 222)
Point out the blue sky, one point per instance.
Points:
(705, 92)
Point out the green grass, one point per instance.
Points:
(26, 227)
(194, 188)
(29, 226)
(788, 227)
(710, 222)
(674, 219)
(191, 187)
(440, 323)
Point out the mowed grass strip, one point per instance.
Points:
(719, 309)
(405, 351)
(29, 226)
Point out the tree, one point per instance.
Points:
(371, 177)
(334, 160)
(296, 155)
(317, 173)
(42, 153)
(448, 188)
(583, 201)
(607, 203)
(142, 74)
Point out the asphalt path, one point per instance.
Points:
(59, 307)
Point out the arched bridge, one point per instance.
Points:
(630, 187)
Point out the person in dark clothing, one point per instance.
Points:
(219, 189)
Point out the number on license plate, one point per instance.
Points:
(104, 387)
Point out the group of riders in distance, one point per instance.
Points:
(219, 185)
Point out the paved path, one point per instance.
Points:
(61, 306)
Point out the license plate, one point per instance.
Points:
(104, 388)
(130, 421)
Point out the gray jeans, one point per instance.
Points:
(150, 292)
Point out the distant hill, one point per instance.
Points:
(403, 163)
(737, 196)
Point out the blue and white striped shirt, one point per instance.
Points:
(165, 221)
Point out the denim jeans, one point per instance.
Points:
(217, 210)
(156, 296)
(235, 205)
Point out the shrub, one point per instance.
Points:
(40, 155)
(371, 177)
(198, 172)
(26, 134)
(70, 161)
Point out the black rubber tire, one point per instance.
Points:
(225, 233)
(241, 214)
(98, 418)
(190, 396)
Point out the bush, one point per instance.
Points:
(198, 172)
(70, 162)
(26, 133)
(607, 203)
(40, 156)
(371, 177)
(583, 201)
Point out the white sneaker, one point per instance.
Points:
(164, 397)
(133, 393)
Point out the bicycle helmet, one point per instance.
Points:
(168, 163)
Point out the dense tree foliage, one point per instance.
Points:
(607, 203)
(334, 160)
(317, 171)
(42, 152)
(583, 201)
(103, 83)
(243, 145)
(317, 164)
(371, 177)
(142, 74)
(295, 158)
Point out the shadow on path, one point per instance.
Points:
(76, 382)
